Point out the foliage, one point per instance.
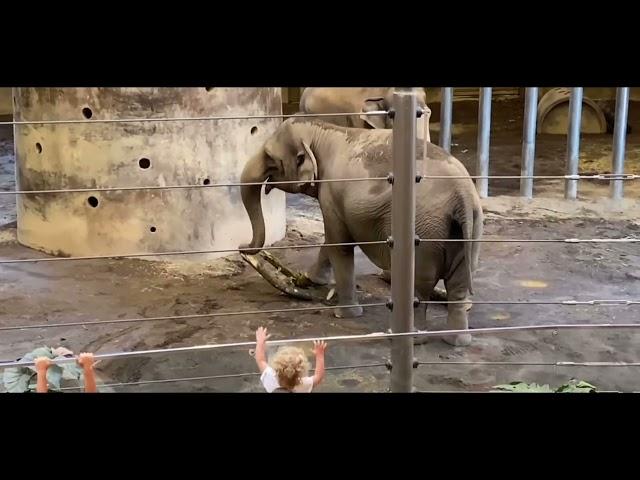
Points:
(573, 386)
(23, 379)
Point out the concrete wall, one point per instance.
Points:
(140, 154)
(6, 108)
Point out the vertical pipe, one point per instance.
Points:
(619, 140)
(403, 207)
(528, 141)
(484, 134)
(446, 106)
(573, 143)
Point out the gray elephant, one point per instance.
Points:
(306, 150)
(360, 99)
(355, 99)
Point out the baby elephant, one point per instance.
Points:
(306, 151)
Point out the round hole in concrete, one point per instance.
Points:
(38, 147)
(93, 201)
(144, 163)
(153, 229)
(208, 89)
(87, 113)
(254, 130)
(206, 181)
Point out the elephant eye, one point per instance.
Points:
(300, 159)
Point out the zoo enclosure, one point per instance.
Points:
(403, 240)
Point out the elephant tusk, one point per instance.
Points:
(313, 160)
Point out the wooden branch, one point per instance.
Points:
(298, 285)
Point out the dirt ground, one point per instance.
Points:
(56, 292)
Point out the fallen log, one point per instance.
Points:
(298, 285)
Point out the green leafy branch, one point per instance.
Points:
(23, 379)
(574, 386)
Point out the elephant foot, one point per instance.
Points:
(420, 340)
(348, 312)
(461, 340)
(320, 276)
(385, 275)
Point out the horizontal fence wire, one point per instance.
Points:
(191, 252)
(597, 176)
(216, 377)
(601, 303)
(342, 338)
(192, 186)
(328, 180)
(193, 119)
(191, 317)
(530, 240)
(318, 245)
(607, 303)
(534, 364)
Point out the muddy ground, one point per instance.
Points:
(57, 292)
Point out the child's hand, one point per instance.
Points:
(319, 347)
(261, 335)
(86, 360)
(42, 364)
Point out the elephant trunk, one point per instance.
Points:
(254, 171)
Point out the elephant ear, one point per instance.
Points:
(373, 105)
(313, 160)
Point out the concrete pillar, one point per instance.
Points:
(140, 154)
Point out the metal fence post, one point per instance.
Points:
(484, 136)
(528, 141)
(619, 140)
(403, 208)
(446, 106)
(573, 142)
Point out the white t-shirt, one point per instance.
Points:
(269, 380)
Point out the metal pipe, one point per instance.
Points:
(338, 338)
(378, 113)
(529, 240)
(178, 187)
(197, 316)
(619, 140)
(446, 107)
(403, 215)
(599, 176)
(484, 138)
(573, 142)
(320, 245)
(529, 141)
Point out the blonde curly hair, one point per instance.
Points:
(290, 365)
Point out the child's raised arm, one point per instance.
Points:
(261, 348)
(319, 348)
(86, 361)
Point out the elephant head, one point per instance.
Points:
(373, 104)
(286, 156)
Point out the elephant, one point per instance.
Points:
(351, 99)
(449, 208)
(361, 99)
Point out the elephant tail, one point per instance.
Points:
(469, 220)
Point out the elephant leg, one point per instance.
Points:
(342, 261)
(457, 317)
(321, 273)
(344, 271)
(385, 275)
(426, 280)
(437, 295)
